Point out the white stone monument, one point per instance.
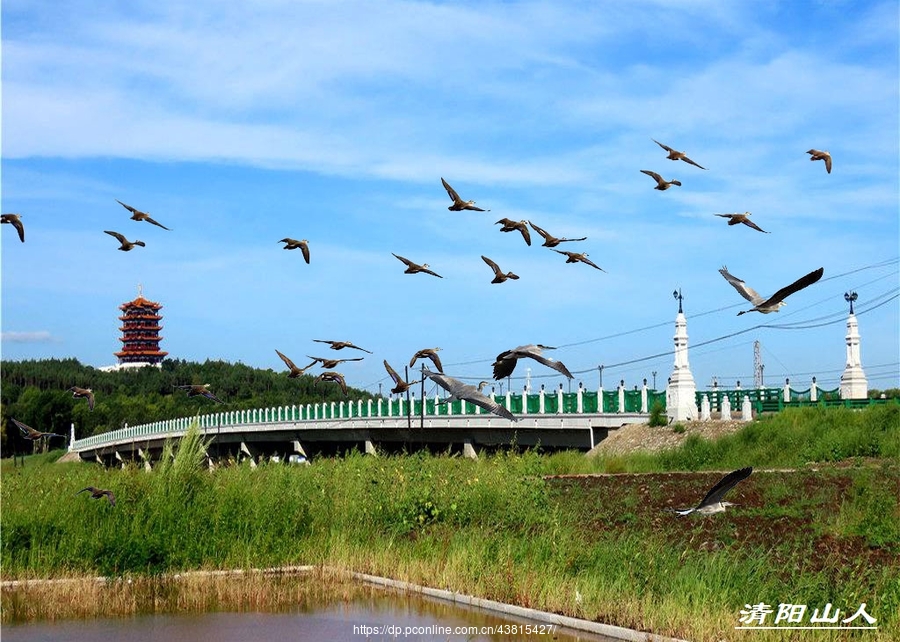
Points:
(853, 381)
(681, 391)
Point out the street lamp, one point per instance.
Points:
(654, 379)
(850, 297)
(600, 368)
(677, 295)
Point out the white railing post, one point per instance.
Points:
(621, 396)
(644, 397)
(579, 398)
(559, 400)
(525, 399)
(813, 391)
(787, 390)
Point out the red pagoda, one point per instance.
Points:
(140, 332)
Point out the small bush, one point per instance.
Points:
(658, 415)
(678, 428)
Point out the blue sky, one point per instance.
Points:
(238, 125)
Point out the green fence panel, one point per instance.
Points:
(589, 402)
(655, 397)
(610, 401)
(551, 403)
(429, 407)
(533, 403)
(457, 407)
(632, 401)
(515, 403)
(570, 402)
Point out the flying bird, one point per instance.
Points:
(713, 503)
(201, 389)
(499, 276)
(415, 268)
(335, 377)
(430, 353)
(138, 215)
(328, 364)
(510, 225)
(292, 367)
(31, 434)
(815, 155)
(340, 345)
(737, 219)
(676, 155)
(127, 245)
(16, 221)
(576, 257)
(97, 493)
(400, 386)
(549, 239)
(293, 244)
(661, 184)
(83, 393)
(774, 302)
(468, 392)
(506, 361)
(458, 203)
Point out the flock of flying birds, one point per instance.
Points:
(506, 361)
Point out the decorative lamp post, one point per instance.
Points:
(850, 297)
(677, 295)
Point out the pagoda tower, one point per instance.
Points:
(140, 332)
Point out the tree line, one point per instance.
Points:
(35, 393)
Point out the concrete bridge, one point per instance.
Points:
(553, 421)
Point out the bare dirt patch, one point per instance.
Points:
(643, 437)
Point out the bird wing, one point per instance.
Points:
(90, 398)
(209, 395)
(547, 361)
(583, 238)
(324, 341)
(796, 286)
(16, 222)
(525, 233)
(287, 362)
(743, 289)
(568, 254)
(405, 260)
(494, 266)
(26, 430)
(477, 209)
(746, 221)
(828, 163)
(121, 238)
(654, 175)
(150, 220)
(350, 345)
(487, 403)
(584, 259)
(688, 160)
(109, 496)
(450, 191)
(305, 249)
(393, 373)
(427, 271)
(127, 207)
(504, 364)
(436, 360)
(665, 147)
(729, 481)
(539, 230)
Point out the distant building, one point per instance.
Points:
(140, 334)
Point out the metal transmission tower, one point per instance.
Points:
(757, 366)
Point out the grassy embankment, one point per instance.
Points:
(497, 529)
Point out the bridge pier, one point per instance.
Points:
(251, 454)
(469, 450)
(370, 447)
(298, 448)
(145, 458)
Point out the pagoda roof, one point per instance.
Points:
(148, 353)
(140, 302)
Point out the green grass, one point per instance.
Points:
(498, 529)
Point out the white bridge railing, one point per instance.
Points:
(542, 403)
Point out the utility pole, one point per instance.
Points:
(757, 366)
(422, 415)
